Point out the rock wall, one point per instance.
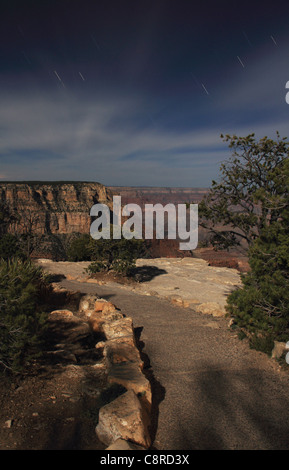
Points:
(124, 423)
(54, 207)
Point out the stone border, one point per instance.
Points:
(123, 423)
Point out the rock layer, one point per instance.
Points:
(53, 207)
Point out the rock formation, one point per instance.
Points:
(54, 207)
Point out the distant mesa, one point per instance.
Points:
(162, 195)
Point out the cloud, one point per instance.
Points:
(259, 88)
(108, 137)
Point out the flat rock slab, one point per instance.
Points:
(190, 283)
(187, 282)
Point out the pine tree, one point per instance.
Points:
(261, 306)
(238, 207)
(22, 324)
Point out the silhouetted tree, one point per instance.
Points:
(247, 198)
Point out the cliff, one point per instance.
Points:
(53, 207)
(161, 195)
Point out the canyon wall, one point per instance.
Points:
(57, 210)
(53, 207)
(159, 195)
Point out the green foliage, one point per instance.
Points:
(237, 208)
(7, 216)
(79, 249)
(117, 255)
(9, 247)
(261, 306)
(95, 267)
(106, 255)
(22, 325)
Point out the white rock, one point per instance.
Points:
(211, 308)
(278, 350)
(111, 427)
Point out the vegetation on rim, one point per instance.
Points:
(252, 201)
(22, 323)
(107, 255)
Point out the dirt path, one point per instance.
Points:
(211, 391)
(191, 281)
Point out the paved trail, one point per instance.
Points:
(211, 390)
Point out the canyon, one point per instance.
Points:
(58, 210)
(163, 195)
(53, 207)
(209, 388)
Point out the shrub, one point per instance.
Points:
(261, 306)
(117, 255)
(9, 247)
(106, 255)
(22, 325)
(79, 249)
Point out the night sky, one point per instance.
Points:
(137, 92)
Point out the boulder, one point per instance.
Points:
(122, 444)
(73, 332)
(104, 306)
(123, 418)
(118, 350)
(119, 328)
(211, 308)
(98, 318)
(130, 376)
(179, 301)
(279, 349)
(86, 303)
(8, 423)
